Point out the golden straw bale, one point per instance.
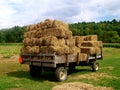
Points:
(57, 23)
(90, 43)
(74, 50)
(83, 57)
(59, 50)
(49, 41)
(91, 50)
(33, 34)
(30, 41)
(70, 42)
(100, 44)
(78, 39)
(39, 29)
(27, 41)
(44, 49)
(35, 26)
(30, 34)
(28, 28)
(91, 38)
(68, 34)
(23, 50)
(34, 41)
(57, 32)
(38, 25)
(98, 50)
(27, 35)
(43, 25)
(38, 33)
(30, 50)
(35, 49)
(40, 41)
(54, 49)
(88, 50)
(78, 45)
(48, 23)
(60, 42)
(31, 27)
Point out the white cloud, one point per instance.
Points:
(24, 12)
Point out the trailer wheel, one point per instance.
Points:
(61, 74)
(95, 66)
(35, 71)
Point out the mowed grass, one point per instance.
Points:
(8, 50)
(14, 76)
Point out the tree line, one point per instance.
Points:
(12, 35)
(107, 31)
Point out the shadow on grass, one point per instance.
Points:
(46, 75)
(80, 71)
(25, 74)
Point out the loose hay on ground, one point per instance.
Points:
(79, 86)
(93, 76)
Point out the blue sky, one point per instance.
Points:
(25, 12)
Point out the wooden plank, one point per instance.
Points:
(78, 58)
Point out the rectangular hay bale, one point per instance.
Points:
(44, 49)
(59, 50)
(91, 38)
(70, 42)
(74, 50)
(91, 50)
(58, 23)
(90, 43)
(83, 57)
(57, 32)
(78, 40)
(48, 41)
(88, 50)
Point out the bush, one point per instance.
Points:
(114, 45)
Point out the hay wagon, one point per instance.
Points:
(58, 64)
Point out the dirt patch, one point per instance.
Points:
(12, 58)
(79, 86)
(94, 76)
(16, 89)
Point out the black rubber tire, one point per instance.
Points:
(61, 74)
(35, 71)
(95, 66)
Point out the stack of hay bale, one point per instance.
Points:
(48, 37)
(54, 36)
(88, 45)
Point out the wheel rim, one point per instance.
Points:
(96, 67)
(62, 75)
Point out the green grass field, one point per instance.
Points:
(14, 76)
(8, 50)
